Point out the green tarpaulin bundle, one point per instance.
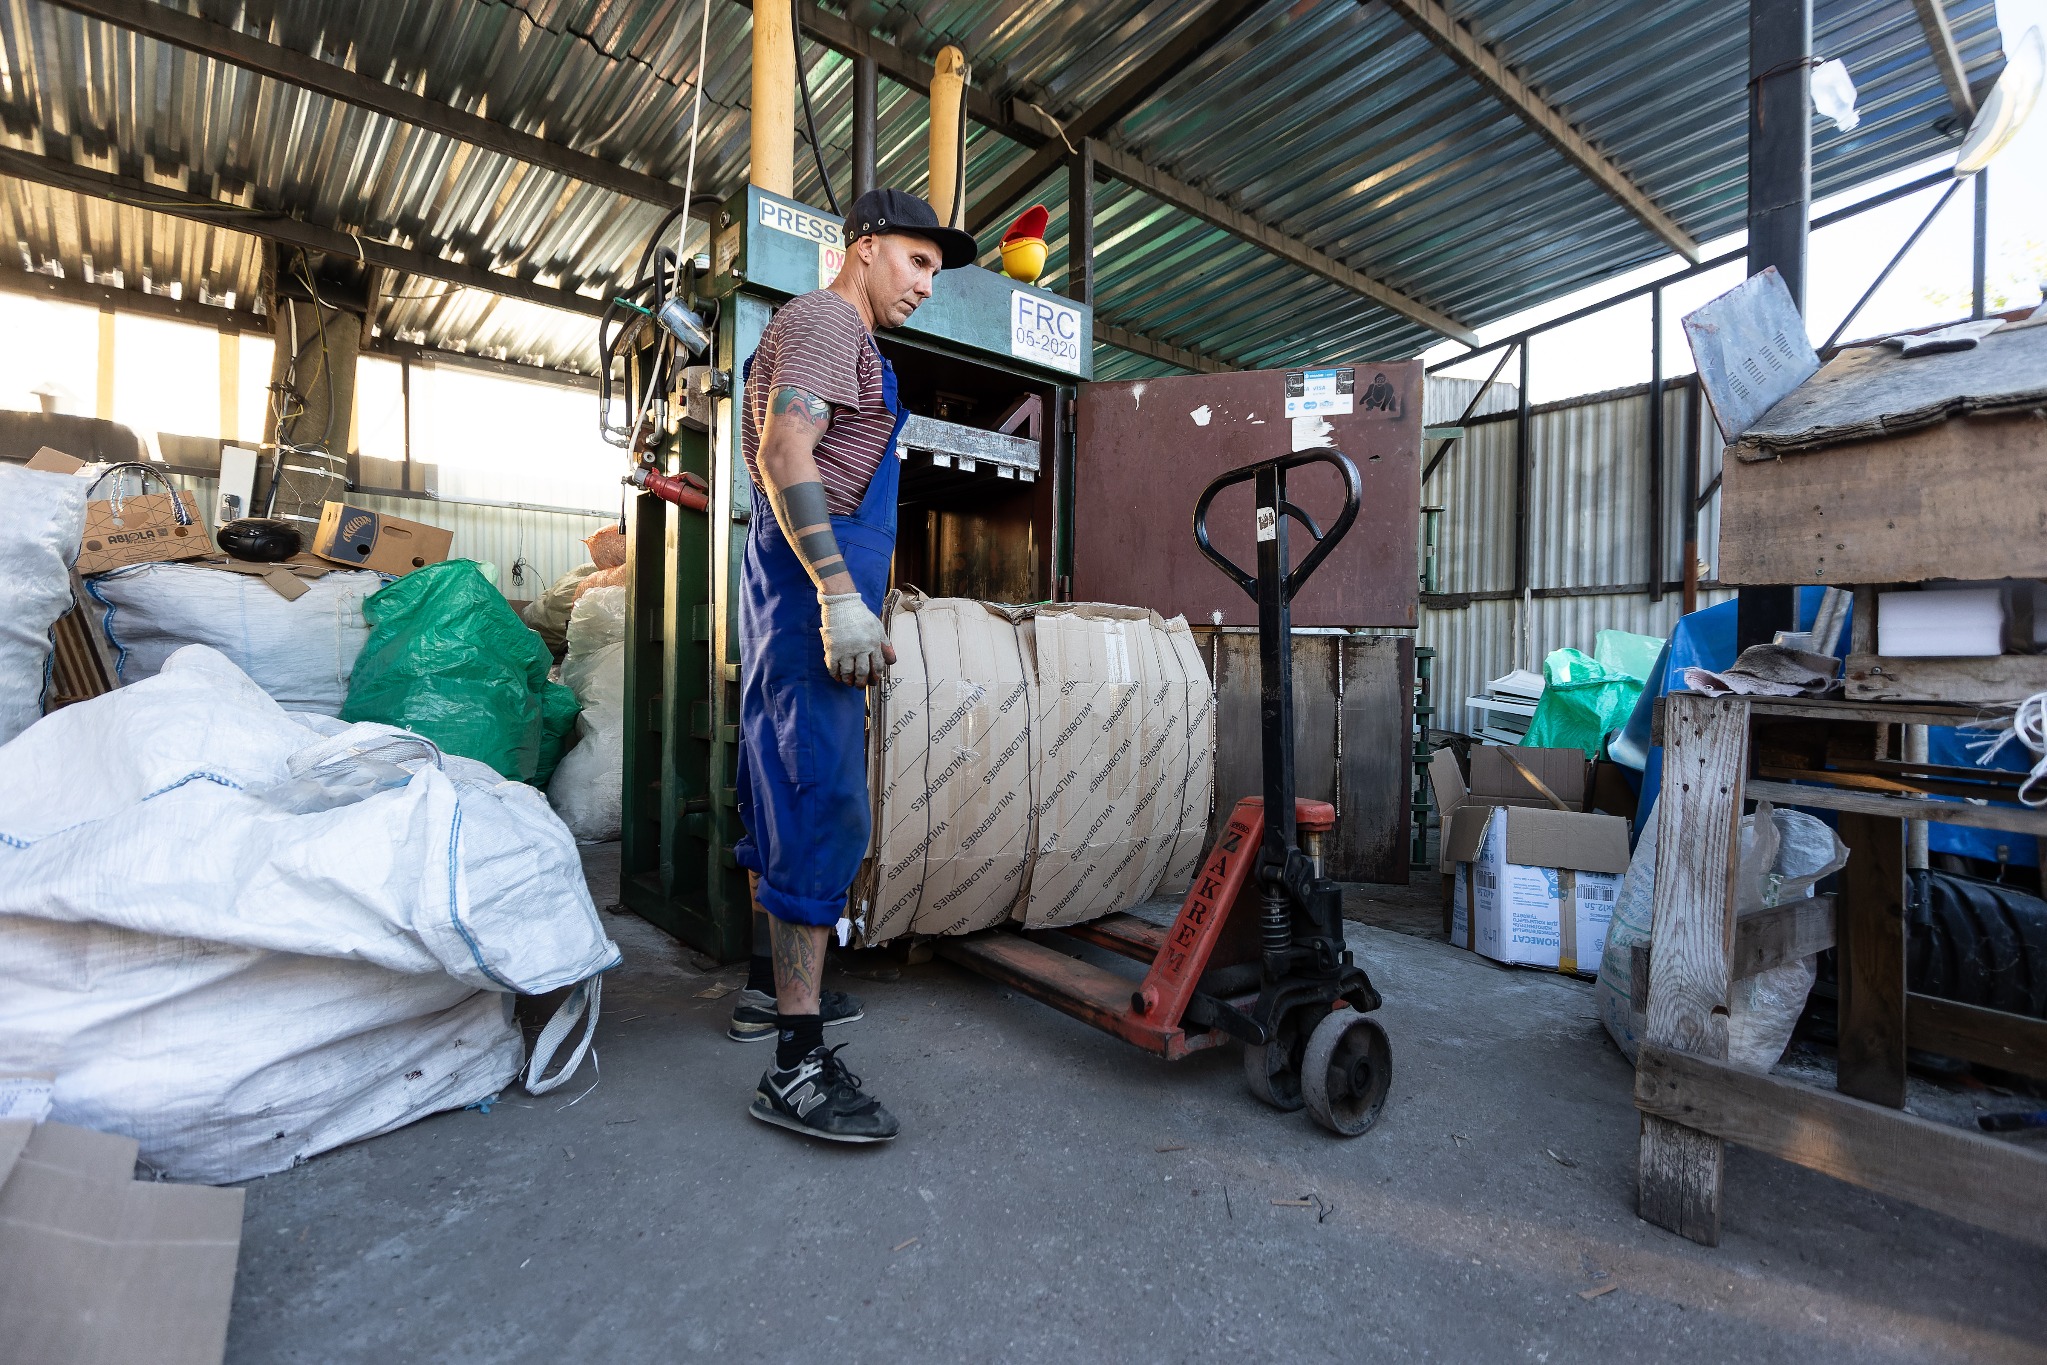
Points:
(1588, 698)
(449, 659)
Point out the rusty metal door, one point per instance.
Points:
(1353, 741)
(1146, 448)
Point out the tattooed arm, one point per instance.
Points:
(797, 421)
(856, 647)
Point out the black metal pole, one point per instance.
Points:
(1981, 300)
(1779, 205)
(1080, 224)
(863, 125)
(1656, 446)
(1275, 679)
(1892, 264)
(1524, 466)
(1690, 575)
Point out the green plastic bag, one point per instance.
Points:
(1586, 698)
(449, 659)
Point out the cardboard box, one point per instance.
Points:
(363, 539)
(1050, 764)
(96, 1266)
(143, 529)
(1533, 887)
(1496, 781)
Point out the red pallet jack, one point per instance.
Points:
(1257, 953)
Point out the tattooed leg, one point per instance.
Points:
(799, 965)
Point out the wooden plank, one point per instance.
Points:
(1456, 40)
(1909, 784)
(1870, 931)
(2004, 680)
(1762, 939)
(2010, 1042)
(1692, 923)
(1783, 933)
(2014, 818)
(1235, 221)
(1881, 713)
(163, 24)
(1980, 1180)
(1957, 500)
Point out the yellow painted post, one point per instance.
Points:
(103, 407)
(774, 100)
(949, 137)
(230, 385)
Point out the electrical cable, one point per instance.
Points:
(809, 123)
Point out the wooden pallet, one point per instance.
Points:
(1692, 1101)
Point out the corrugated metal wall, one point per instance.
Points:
(539, 546)
(1587, 529)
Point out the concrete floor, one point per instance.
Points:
(1030, 1213)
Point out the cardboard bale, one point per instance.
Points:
(976, 767)
(1534, 887)
(363, 539)
(1091, 702)
(889, 891)
(1051, 764)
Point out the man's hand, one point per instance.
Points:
(855, 645)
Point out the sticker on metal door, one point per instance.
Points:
(1045, 331)
(1320, 393)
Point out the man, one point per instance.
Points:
(818, 427)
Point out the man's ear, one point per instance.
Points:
(866, 247)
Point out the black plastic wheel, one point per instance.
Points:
(1272, 1071)
(1346, 1070)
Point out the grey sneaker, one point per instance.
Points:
(754, 1018)
(820, 1098)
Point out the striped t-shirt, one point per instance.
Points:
(818, 343)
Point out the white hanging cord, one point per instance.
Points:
(689, 177)
(2029, 725)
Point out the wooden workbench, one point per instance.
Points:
(1829, 755)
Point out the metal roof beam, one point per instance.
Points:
(1461, 45)
(222, 43)
(278, 227)
(1237, 223)
(1947, 58)
(1109, 334)
(1208, 28)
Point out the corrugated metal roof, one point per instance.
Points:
(1333, 120)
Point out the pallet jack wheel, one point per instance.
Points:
(1345, 1072)
(1272, 1071)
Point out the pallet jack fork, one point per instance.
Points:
(1257, 953)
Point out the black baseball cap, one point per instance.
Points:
(880, 211)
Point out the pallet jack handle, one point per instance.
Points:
(1283, 868)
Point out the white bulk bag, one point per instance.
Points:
(42, 520)
(301, 651)
(219, 924)
(587, 787)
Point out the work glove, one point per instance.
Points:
(855, 647)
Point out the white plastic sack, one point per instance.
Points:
(42, 521)
(243, 939)
(586, 789)
(302, 652)
(1784, 853)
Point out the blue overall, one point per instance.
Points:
(802, 732)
